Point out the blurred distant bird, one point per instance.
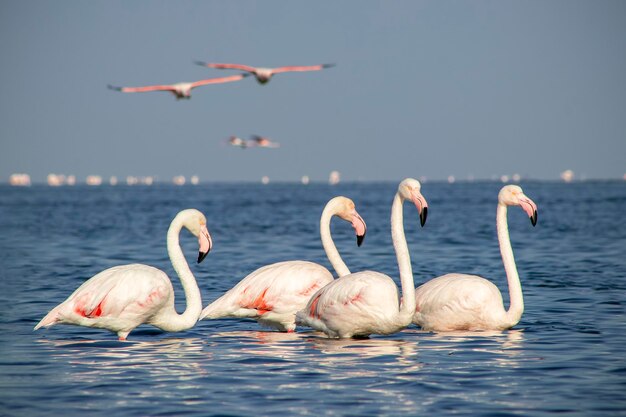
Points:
(258, 141)
(263, 75)
(263, 142)
(237, 142)
(180, 90)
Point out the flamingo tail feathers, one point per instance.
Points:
(213, 311)
(50, 319)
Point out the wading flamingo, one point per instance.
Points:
(123, 297)
(367, 302)
(274, 293)
(469, 302)
(180, 90)
(263, 75)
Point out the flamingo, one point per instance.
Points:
(237, 142)
(263, 142)
(469, 302)
(180, 90)
(123, 297)
(263, 75)
(364, 303)
(274, 293)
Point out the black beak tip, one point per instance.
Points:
(533, 219)
(202, 255)
(359, 239)
(423, 216)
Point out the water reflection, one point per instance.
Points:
(503, 347)
(270, 344)
(92, 361)
(357, 349)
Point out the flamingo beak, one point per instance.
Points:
(422, 206)
(530, 208)
(359, 226)
(205, 243)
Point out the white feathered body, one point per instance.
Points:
(354, 305)
(459, 302)
(272, 294)
(117, 299)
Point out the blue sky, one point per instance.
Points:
(421, 88)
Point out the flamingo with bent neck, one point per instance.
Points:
(274, 293)
(122, 297)
(469, 302)
(367, 302)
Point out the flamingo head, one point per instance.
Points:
(195, 222)
(409, 189)
(346, 210)
(513, 195)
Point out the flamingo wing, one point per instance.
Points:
(227, 66)
(353, 305)
(272, 293)
(302, 68)
(143, 89)
(457, 302)
(219, 80)
(114, 298)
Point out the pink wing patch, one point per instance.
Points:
(310, 290)
(313, 310)
(353, 300)
(152, 298)
(259, 304)
(80, 307)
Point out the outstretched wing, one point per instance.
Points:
(226, 66)
(143, 89)
(302, 68)
(219, 80)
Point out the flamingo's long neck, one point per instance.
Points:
(327, 241)
(407, 307)
(175, 321)
(516, 306)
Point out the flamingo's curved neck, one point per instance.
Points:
(407, 307)
(175, 321)
(516, 306)
(327, 241)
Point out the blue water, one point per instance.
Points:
(567, 356)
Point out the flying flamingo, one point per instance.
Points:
(259, 141)
(263, 142)
(469, 302)
(180, 90)
(367, 302)
(263, 75)
(237, 142)
(274, 293)
(123, 297)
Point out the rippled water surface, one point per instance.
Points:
(567, 356)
